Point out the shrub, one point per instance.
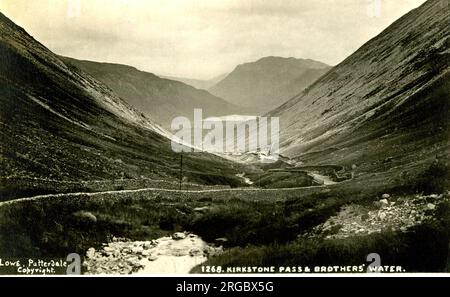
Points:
(435, 179)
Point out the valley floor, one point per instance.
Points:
(351, 218)
(319, 215)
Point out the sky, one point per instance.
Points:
(203, 38)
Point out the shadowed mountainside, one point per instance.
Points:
(58, 122)
(385, 105)
(160, 99)
(384, 108)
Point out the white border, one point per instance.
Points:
(262, 275)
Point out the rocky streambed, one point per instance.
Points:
(388, 213)
(178, 253)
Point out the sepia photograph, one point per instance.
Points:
(224, 137)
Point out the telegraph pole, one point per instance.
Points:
(181, 169)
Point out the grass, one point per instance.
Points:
(276, 180)
(11, 188)
(435, 179)
(264, 222)
(423, 248)
(391, 152)
(261, 226)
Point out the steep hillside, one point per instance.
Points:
(161, 99)
(268, 82)
(59, 123)
(384, 106)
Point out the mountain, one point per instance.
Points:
(268, 82)
(385, 105)
(60, 124)
(198, 83)
(160, 99)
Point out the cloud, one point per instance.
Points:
(202, 38)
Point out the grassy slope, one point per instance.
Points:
(271, 219)
(59, 123)
(400, 145)
(160, 99)
(388, 99)
(52, 228)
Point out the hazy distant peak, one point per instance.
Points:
(270, 60)
(197, 83)
(268, 82)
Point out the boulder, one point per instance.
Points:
(384, 202)
(195, 252)
(90, 253)
(108, 249)
(133, 260)
(126, 250)
(178, 236)
(84, 216)
(137, 250)
(431, 206)
(385, 196)
(147, 245)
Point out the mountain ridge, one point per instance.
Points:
(160, 98)
(268, 82)
(203, 84)
(365, 99)
(60, 123)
